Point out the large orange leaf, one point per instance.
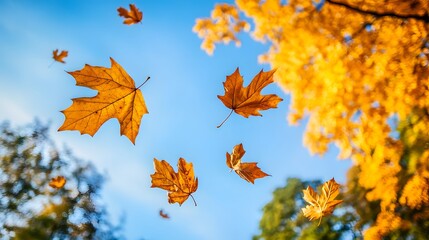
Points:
(179, 185)
(248, 100)
(131, 17)
(247, 171)
(321, 205)
(59, 57)
(117, 97)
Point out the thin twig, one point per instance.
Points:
(424, 17)
(225, 119)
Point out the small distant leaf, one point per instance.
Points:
(57, 182)
(131, 17)
(248, 100)
(179, 185)
(59, 57)
(321, 205)
(163, 215)
(247, 171)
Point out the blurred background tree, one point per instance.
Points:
(30, 208)
(358, 72)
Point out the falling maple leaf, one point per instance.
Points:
(163, 215)
(321, 205)
(117, 98)
(248, 100)
(131, 17)
(57, 182)
(59, 57)
(179, 185)
(247, 171)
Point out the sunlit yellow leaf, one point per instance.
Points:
(323, 204)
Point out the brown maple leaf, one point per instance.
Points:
(248, 100)
(117, 98)
(247, 171)
(321, 205)
(59, 57)
(179, 185)
(131, 17)
(57, 182)
(163, 215)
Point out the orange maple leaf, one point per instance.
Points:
(57, 182)
(247, 171)
(321, 205)
(248, 100)
(131, 17)
(163, 215)
(59, 57)
(179, 185)
(117, 98)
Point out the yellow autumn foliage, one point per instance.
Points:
(354, 69)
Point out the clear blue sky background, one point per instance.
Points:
(184, 111)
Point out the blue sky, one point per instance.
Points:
(183, 111)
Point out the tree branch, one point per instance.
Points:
(424, 17)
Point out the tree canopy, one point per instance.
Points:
(30, 208)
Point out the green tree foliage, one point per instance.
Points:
(30, 208)
(283, 219)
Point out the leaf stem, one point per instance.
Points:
(320, 220)
(225, 118)
(147, 79)
(193, 199)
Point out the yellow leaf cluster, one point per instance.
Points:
(386, 222)
(223, 26)
(416, 192)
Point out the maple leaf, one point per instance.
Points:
(321, 205)
(131, 17)
(117, 98)
(59, 57)
(248, 100)
(247, 171)
(163, 215)
(179, 185)
(57, 182)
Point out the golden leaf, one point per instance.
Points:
(321, 205)
(131, 17)
(117, 98)
(179, 185)
(248, 100)
(247, 171)
(57, 182)
(59, 57)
